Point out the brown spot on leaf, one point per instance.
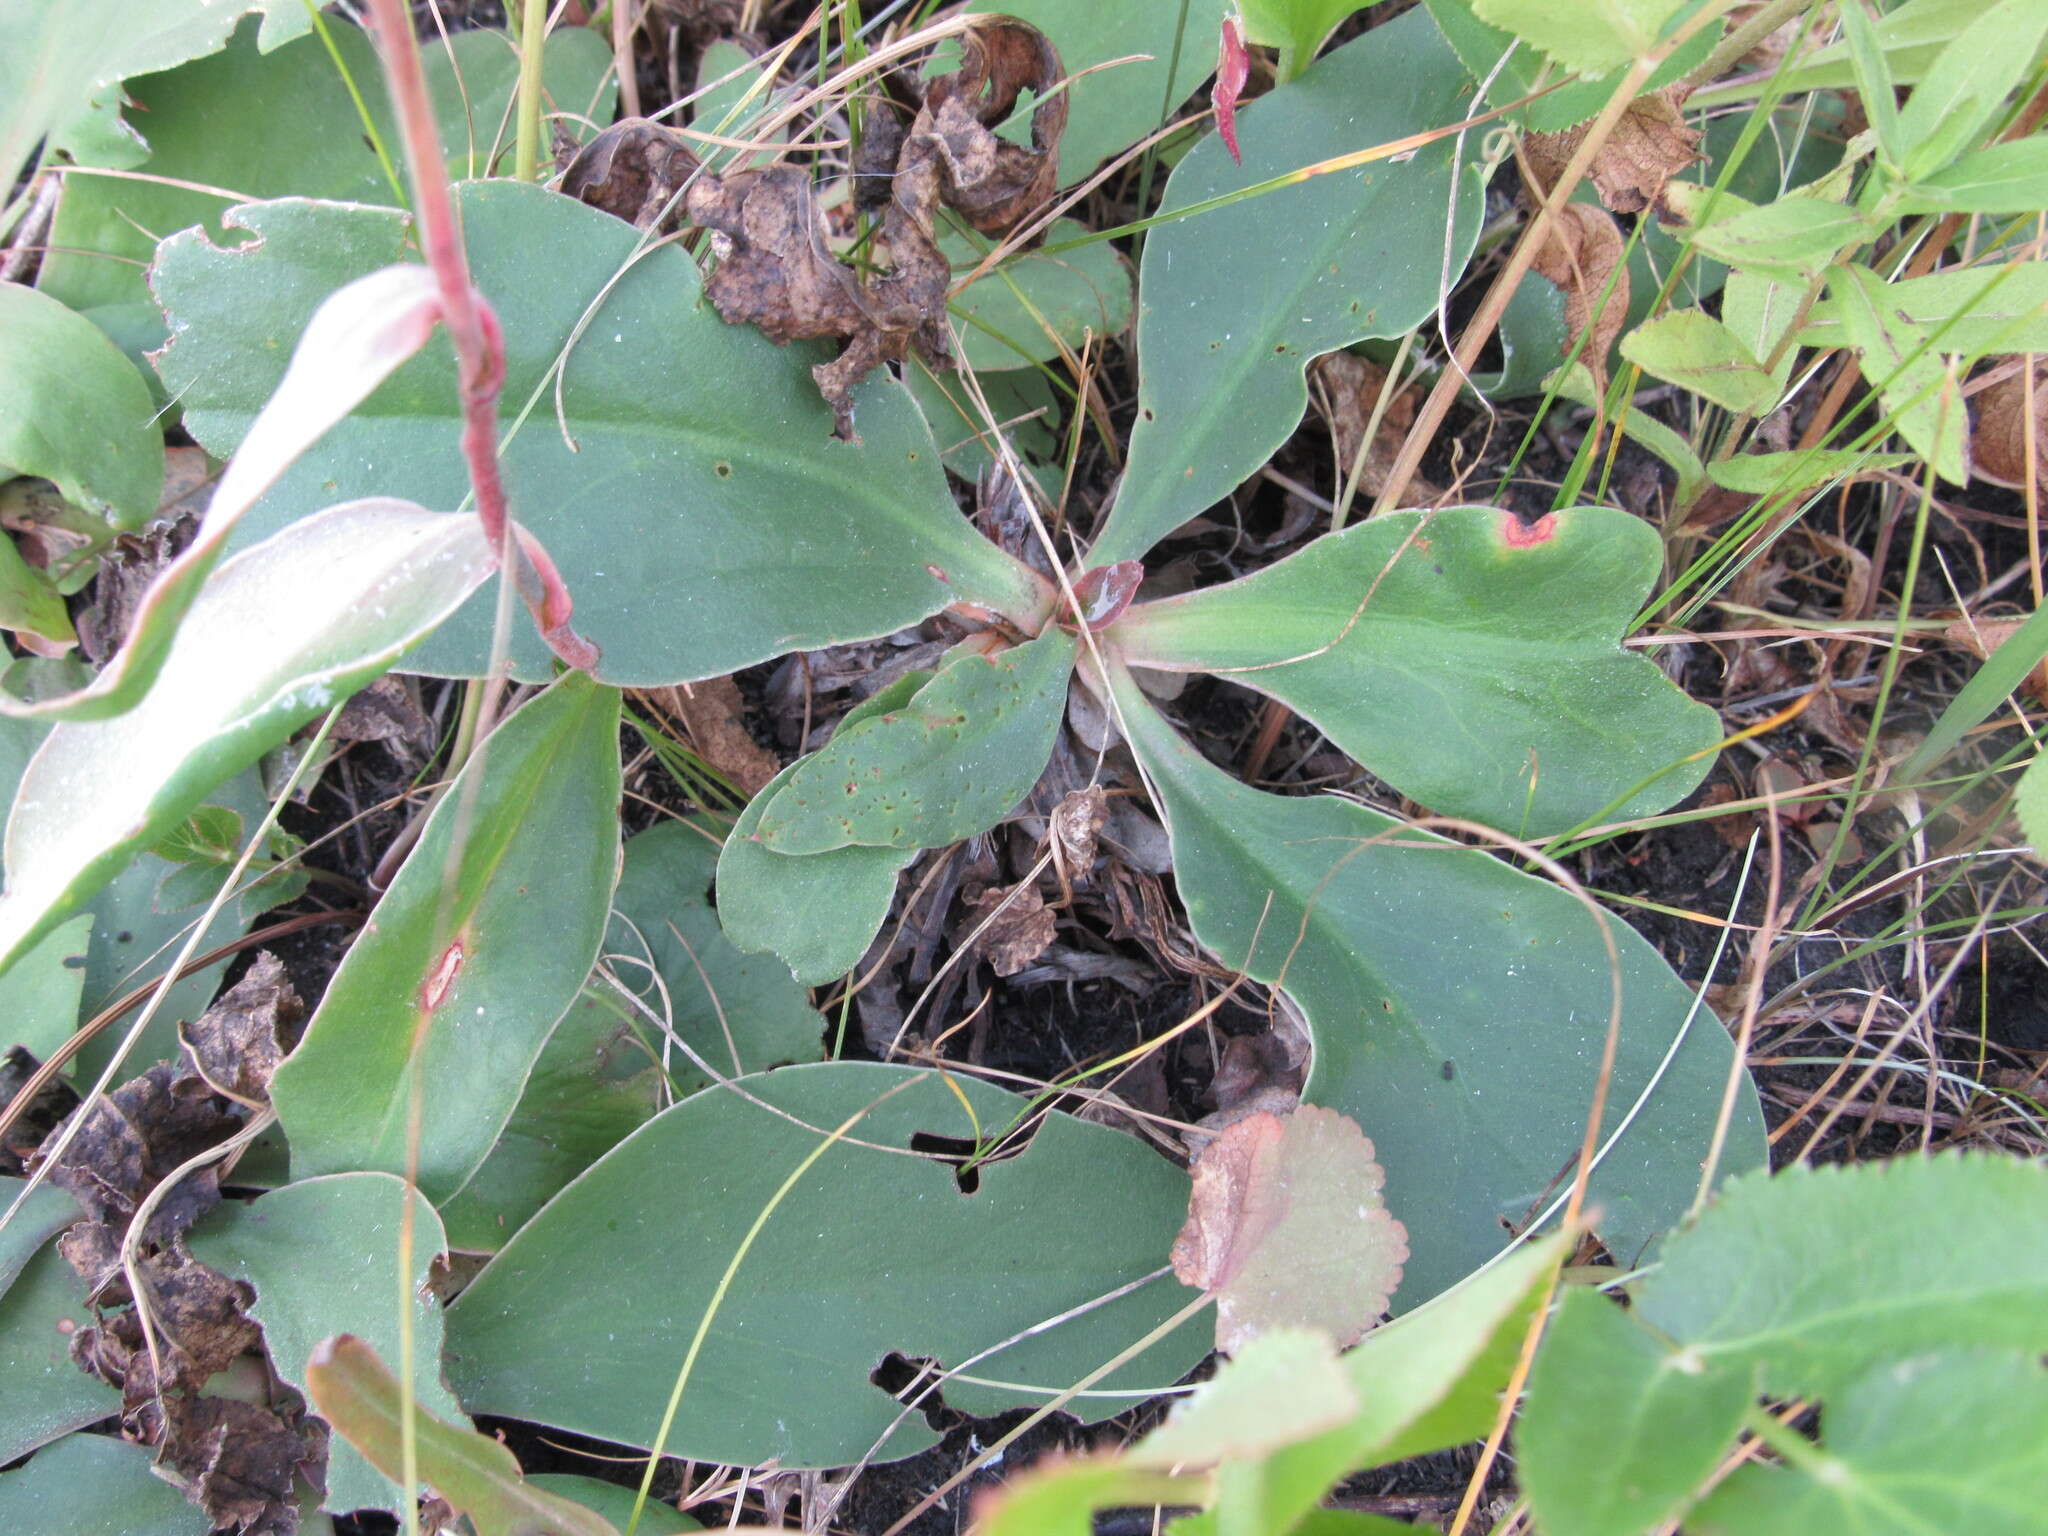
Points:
(434, 989)
(1650, 144)
(1520, 535)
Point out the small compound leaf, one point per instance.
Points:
(42, 1394)
(1283, 1386)
(322, 1257)
(948, 764)
(1468, 1043)
(282, 632)
(581, 1323)
(1691, 348)
(94, 1485)
(1919, 387)
(816, 913)
(1287, 1226)
(77, 411)
(355, 1392)
(741, 1014)
(1813, 1276)
(477, 953)
(1588, 40)
(1412, 631)
(1223, 339)
(1907, 1449)
(718, 451)
(1296, 27)
(1619, 1427)
(1788, 473)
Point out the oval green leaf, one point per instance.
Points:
(94, 1485)
(1468, 659)
(1234, 304)
(698, 506)
(1459, 1010)
(478, 948)
(583, 1320)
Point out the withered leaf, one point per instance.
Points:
(1650, 144)
(1077, 825)
(1021, 931)
(713, 715)
(633, 170)
(1998, 432)
(1286, 1225)
(1980, 637)
(234, 1047)
(995, 184)
(130, 1140)
(1583, 249)
(238, 1461)
(1348, 388)
(385, 711)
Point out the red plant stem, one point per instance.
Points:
(474, 331)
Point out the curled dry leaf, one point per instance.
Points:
(1348, 387)
(238, 1460)
(1584, 249)
(130, 1140)
(1077, 823)
(713, 716)
(1999, 428)
(1286, 1225)
(234, 1047)
(1022, 930)
(776, 268)
(1650, 144)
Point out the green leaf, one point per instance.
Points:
(279, 635)
(1693, 350)
(94, 1485)
(1968, 82)
(42, 1394)
(1793, 239)
(1424, 1382)
(1022, 403)
(2030, 799)
(1024, 310)
(1575, 383)
(77, 411)
(39, 996)
(2005, 178)
(47, 1211)
(1466, 1040)
(1874, 84)
(322, 1255)
(354, 1391)
(478, 948)
(1235, 303)
(1296, 27)
(950, 763)
(1785, 474)
(61, 60)
(1619, 1428)
(1817, 1274)
(1588, 39)
(705, 520)
(1911, 36)
(29, 601)
(742, 1015)
(1283, 1386)
(583, 1320)
(1987, 689)
(1453, 652)
(1060, 1499)
(1921, 394)
(215, 122)
(613, 1502)
(1759, 312)
(818, 913)
(732, 100)
(1487, 53)
(1115, 107)
(1955, 1442)
(1972, 310)
(595, 1083)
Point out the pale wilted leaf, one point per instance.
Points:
(1581, 253)
(1287, 1227)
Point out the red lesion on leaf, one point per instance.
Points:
(1521, 535)
(938, 574)
(1233, 70)
(434, 990)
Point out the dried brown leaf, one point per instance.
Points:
(238, 1461)
(1286, 1225)
(1582, 251)
(1998, 434)
(1650, 144)
(1077, 823)
(234, 1047)
(386, 711)
(713, 715)
(1348, 387)
(992, 182)
(130, 1140)
(1980, 637)
(1021, 931)
(633, 170)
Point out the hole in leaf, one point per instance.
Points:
(913, 1380)
(967, 1156)
(722, 469)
